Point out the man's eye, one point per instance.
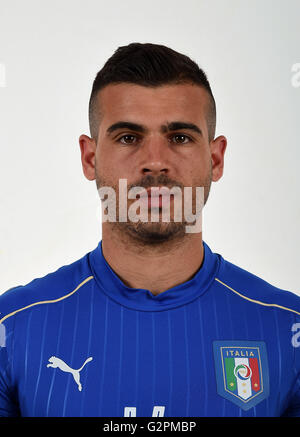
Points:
(127, 139)
(181, 138)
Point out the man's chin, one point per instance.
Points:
(154, 233)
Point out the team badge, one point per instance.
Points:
(242, 371)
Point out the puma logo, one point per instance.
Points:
(57, 362)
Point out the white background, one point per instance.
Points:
(51, 52)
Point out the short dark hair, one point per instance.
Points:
(149, 65)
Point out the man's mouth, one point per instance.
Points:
(156, 197)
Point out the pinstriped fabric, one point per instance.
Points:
(203, 367)
(137, 350)
(259, 337)
(187, 363)
(231, 331)
(147, 351)
(260, 323)
(89, 343)
(28, 334)
(153, 357)
(41, 362)
(262, 337)
(74, 330)
(13, 351)
(245, 322)
(244, 319)
(57, 350)
(229, 318)
(170, 363)
(214, 304)
(279, 352)
(103, 365)
(259, 302)
(121, 357)
(247, 334)
(218, 336)
(45, 302)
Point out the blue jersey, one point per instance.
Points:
(79, 342)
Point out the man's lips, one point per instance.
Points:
(156, 196)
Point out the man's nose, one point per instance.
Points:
(154, 157)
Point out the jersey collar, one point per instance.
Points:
(142, 299)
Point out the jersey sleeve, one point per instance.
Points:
(293, 407)
(8, 406)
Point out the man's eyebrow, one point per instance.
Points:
(177, 125)
(169, 127)
(126, 125)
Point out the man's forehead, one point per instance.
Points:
(175, 100)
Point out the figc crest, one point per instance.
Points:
(242, 371)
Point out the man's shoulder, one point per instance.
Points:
(255, 289)
(49, 288)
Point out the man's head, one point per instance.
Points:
(149, 65)
(145, 98)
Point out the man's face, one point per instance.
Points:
(156, 149)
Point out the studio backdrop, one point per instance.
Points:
(50, 52)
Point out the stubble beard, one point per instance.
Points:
(153, 233)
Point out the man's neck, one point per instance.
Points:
(152, 267)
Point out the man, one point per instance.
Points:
(151, 322)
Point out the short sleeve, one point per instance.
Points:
(8, 405)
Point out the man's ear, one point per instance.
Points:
(88, 151)
(217, 148)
